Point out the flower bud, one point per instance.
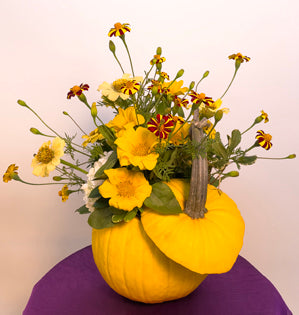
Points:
(65, 113)
(22, 103)
(206, 74)
(258, 119)
(291, 156)
(218, 115)
(180, 73)
(232, 174)
(57, 178)
(154, 90)
(82, 98)
(159, 51)
(159, 66)
(35, 131)
(94, 110)
(191, 86)
(112, 46)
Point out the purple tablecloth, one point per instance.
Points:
(75, 287)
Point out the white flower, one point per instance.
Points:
(91, 183)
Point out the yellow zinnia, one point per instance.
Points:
(136, 147)
(124, 120)
(126, 189)
(48, 157)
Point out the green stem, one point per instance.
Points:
(236, 69)
(73, 166)
(248, 128)
(118, 63)
(267, 158)
(76, 124)
(17, 178)
(124, 41)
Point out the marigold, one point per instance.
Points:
(181, 102)
(264, 139)
(239, 57)
(64, 193)
(126, 189)
(180, 132)
(130, 87)
(119, 29)
(125, 119)
(77, 90)
(174, 88)
(114, 91)
(264, 116)
(157, 59)
(136, 147)
(196, 98)
(48, 157)
(161, 126)
(10, 172)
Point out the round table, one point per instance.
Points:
(75, 287)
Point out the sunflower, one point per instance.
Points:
(136, 147)
(126, 189)
(48, 157)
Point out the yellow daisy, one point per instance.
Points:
(48, 157)
(175, 88)
(114, 91)
(126, 189)
(125, 119)
(136, 147)
(10, 172)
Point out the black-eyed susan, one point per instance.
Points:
(264, 139)
(157, 59)
(239, 57)
(130, 87)
(161, 126)
(64, 193)
(10, 173)
(77, 90)
(126, 189)
(119, 29)
(48, 157)
(125, 119)
(136, 147)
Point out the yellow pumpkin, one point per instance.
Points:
(134, 267)
(207, 245)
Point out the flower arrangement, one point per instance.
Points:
(160, 157)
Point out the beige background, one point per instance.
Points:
(49, 46)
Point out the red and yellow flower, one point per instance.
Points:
(157, 59)
(196, 98)
(239, 57)
(264, 139)
(10, 173)
(119, 29)
(64, 193)
(77, 90)
(161, 126)
(181, 102)
(264, 116)
(130, 87)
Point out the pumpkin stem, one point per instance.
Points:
(195, 206)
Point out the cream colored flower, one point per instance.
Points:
(48, 157)
(113, 90)
(92, 183)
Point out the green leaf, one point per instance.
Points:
(116, 218)
(101, 203)
(234, 140)
(162, 200)
(107, 133)
(219, 149)
(83, 210)
(247, 160)
(95, 193)
(112, 159)
(130, 215)
(181, 112)
(101, 219)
